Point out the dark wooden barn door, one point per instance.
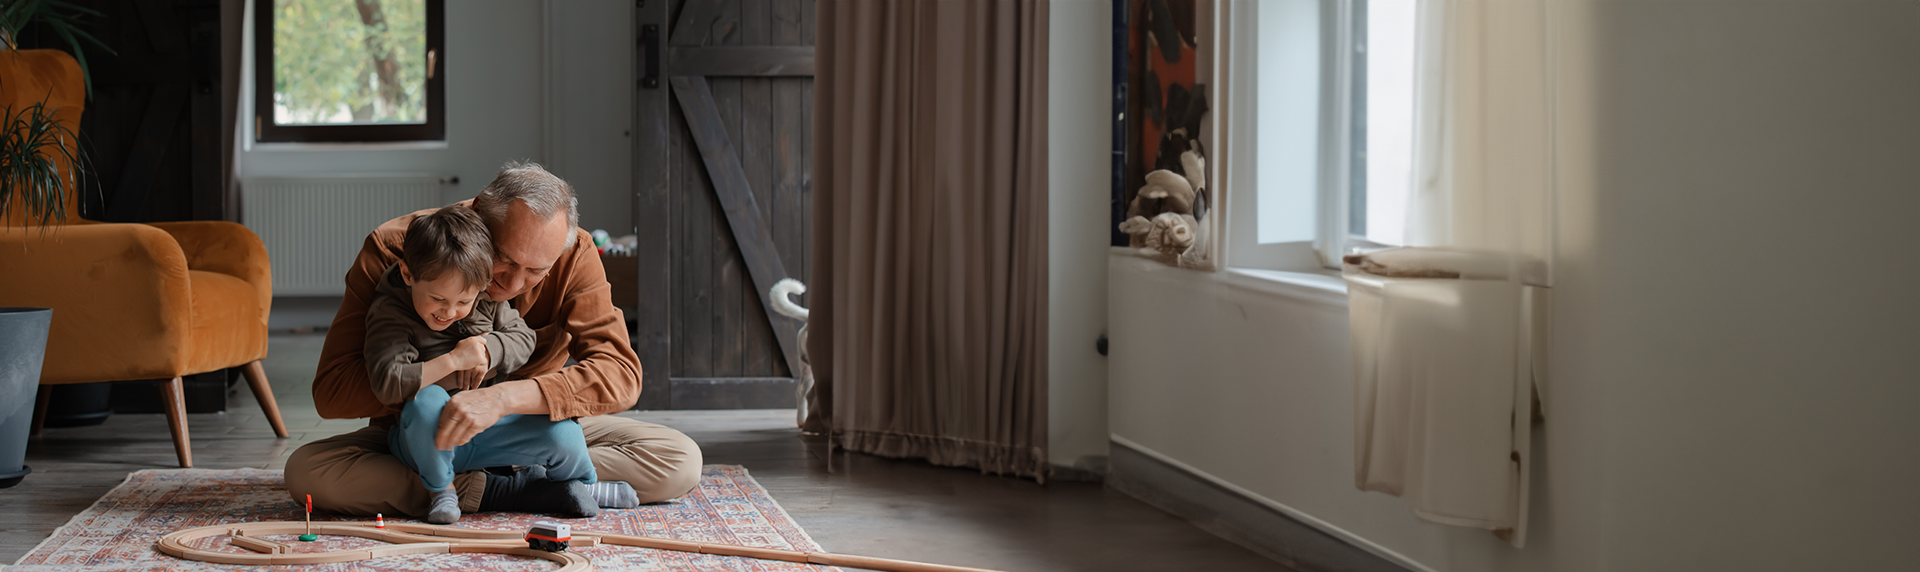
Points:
(724, 127)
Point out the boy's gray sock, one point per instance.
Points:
(445, 507)
(614, 494)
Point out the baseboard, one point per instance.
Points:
(1091, 468)
(1255, 523)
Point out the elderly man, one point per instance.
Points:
(548, 269)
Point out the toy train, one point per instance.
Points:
(549, 536)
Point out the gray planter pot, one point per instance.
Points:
(23, 347)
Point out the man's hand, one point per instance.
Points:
(471, 412)
(466, 415)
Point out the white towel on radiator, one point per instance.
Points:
(1442, 387)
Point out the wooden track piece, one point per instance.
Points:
(407, 549)
(569, 561)
(751, 552)
(415, 538)
(890, 565)
(322, 557)
(649, 542)
(453, 532)
(257, 545)
(232, 558)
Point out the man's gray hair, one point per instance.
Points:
(531, 184)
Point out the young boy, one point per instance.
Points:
(429, 334)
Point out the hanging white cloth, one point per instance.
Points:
(1443, 391)
(1448, 334)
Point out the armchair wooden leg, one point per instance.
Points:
(173, 395)
(257, 380)
(40, 410)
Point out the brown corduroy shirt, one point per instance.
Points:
(571, 312)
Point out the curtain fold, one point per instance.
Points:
(1449, 335)
(1483, 134)
(928, 335)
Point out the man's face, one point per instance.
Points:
(441, 301)
(525, 247)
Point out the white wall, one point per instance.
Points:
(1743, 283)
(497, 102)
(1735, 313)
(1079, 60)
(590, 107)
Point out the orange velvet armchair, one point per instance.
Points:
(133, 301)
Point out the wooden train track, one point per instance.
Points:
(413, 538)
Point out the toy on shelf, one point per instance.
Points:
(417, 538)
(379, 521)
(616, 246)
(548, 536)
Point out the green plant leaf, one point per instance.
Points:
(61, 17)
(34, 139)
(63, 5)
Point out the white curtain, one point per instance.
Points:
(1449, 333)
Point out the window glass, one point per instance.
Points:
(349, 70)
(1384, 122)
(1333, 133)
(349, 62)
(1288, 112)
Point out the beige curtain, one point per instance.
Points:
(928, 335)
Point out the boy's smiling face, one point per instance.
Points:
(442, 301)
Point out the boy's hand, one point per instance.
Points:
(471, 353)
(470, 362)
(463, 368)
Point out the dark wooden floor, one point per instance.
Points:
(865, 505)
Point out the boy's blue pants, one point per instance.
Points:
(523, 440)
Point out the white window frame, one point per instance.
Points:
(1332, 236)
(1239, 65)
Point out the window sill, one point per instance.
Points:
(1315, 286)
(370, 146)
(1325, 286)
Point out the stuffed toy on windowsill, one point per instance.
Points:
(1168, 214)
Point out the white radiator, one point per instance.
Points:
(314, 226)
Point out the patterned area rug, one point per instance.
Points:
(118, 532)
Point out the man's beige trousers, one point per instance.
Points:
(355, 473)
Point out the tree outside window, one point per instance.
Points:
(349, 70)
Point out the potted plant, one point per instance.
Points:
(40, 163)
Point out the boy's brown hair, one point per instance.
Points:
(452, 238)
